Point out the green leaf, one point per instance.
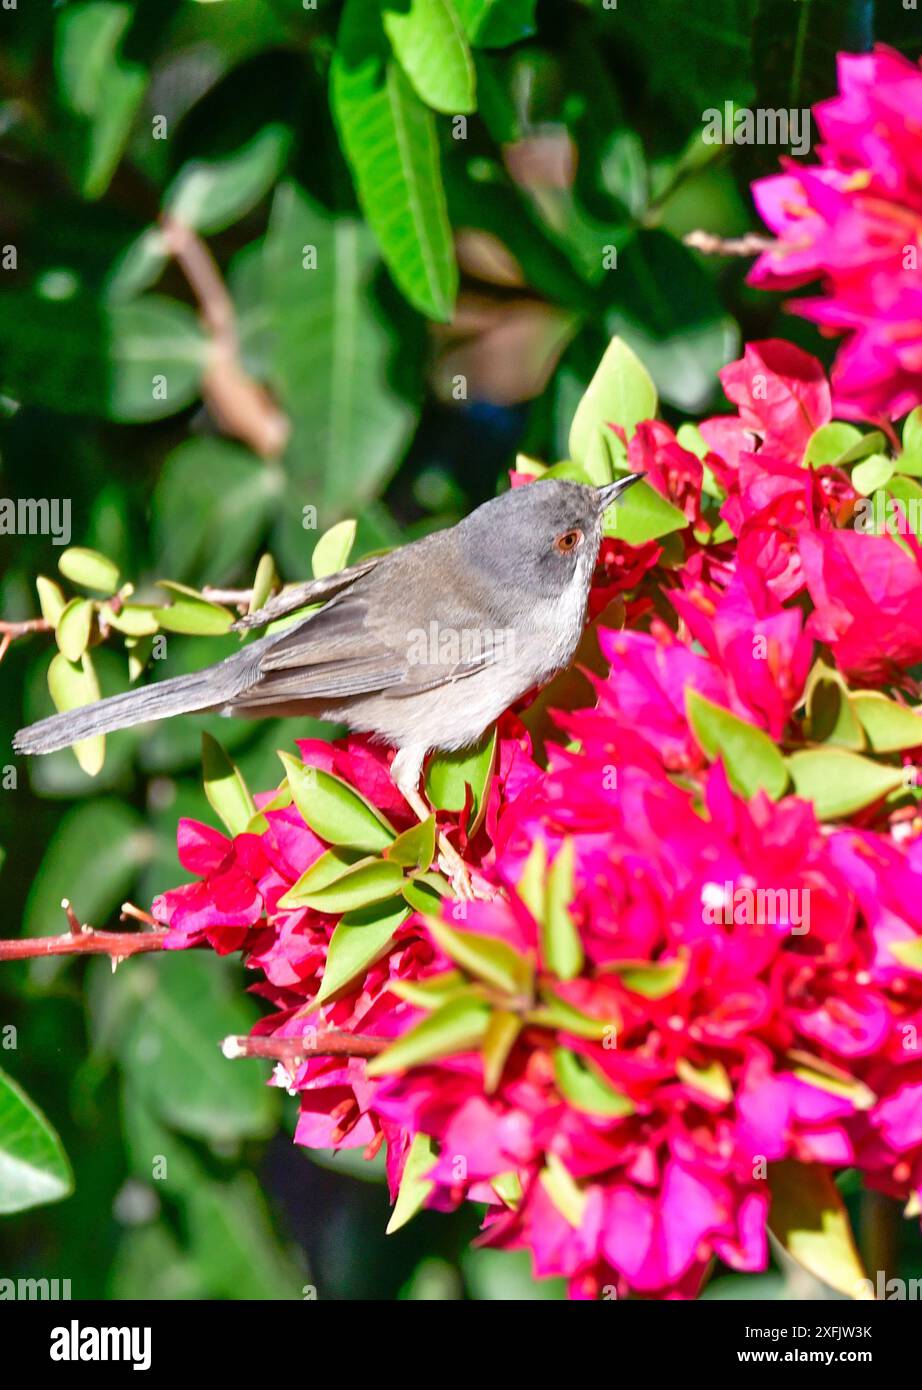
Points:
(486, 957)
(192, 613)
(889, 726)
(71, 685)
(157, 354)
(95, 882)
(422, 896)
(563, 1190)
(831, 444)
(751, 760)
(498, 1041)
(712, 1079)
(620, 393)
(652, 979)
(331, 553)
(561, 946)
(359, 939)
(830, 716)
(908, 953)
(99, 86)
(415, 848)
(369, 881)
(334, 810)
(219, 480)
(235, 1250)
(210, 195)
(840, 783)
(497, 23)
(558, 1013)
(794, 49)
(265, 582)
(809, 1219)
(642, 515)
(586, 1089)
(33, 1165)
(457, 1026)
(51, 599)
(414, 1188)
(89, 569)
(910, 460)
(389, 139)
(872, 473)
(331, 350)
(132, 619)
(227, 792)
(450, 774)
(434, 990)
(329, 868)
(429, 40)
(531, 887)
(669, 312)
(175, 1012)
(72, 633)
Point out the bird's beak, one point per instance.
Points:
(612, 491)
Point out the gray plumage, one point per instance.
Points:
(423, 647)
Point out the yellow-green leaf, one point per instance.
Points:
(227, 792)
(331, 553)
(586, 1089)
(359, 939)
(72, 685)
(414, 1186)
(752, 761)
(89, 569)
(334, 810)
(809, 1219)
(840, 783)
(490, 959)
(456, 1026)
(498, 1042)
(72, 633)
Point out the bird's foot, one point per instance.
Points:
(459, 875)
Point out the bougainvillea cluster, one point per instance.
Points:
(690, 984)
(854, 222)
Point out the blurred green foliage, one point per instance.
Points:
(398, 236)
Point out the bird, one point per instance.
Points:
(422, 648)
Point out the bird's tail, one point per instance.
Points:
(182, 695)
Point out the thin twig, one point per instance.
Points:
(241, 406)
(321, 1042)
(10, 631)
(752, 244)
(237, 598)
(83, 940)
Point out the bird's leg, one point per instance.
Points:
(406, 770)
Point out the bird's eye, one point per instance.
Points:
(568, 541)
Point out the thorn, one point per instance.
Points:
(116, 962)
(71, 915)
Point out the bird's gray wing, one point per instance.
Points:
(336, 653)
(311, 591)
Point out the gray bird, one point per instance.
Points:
(423, 648)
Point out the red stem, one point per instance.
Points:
(322, 1044)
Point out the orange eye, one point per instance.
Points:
(568, 541)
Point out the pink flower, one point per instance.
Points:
(866, 592)
(854, 222)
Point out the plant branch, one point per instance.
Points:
(241, 406)
(752, 244)
(318, 1042)
(10, 631)
(84, 940)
